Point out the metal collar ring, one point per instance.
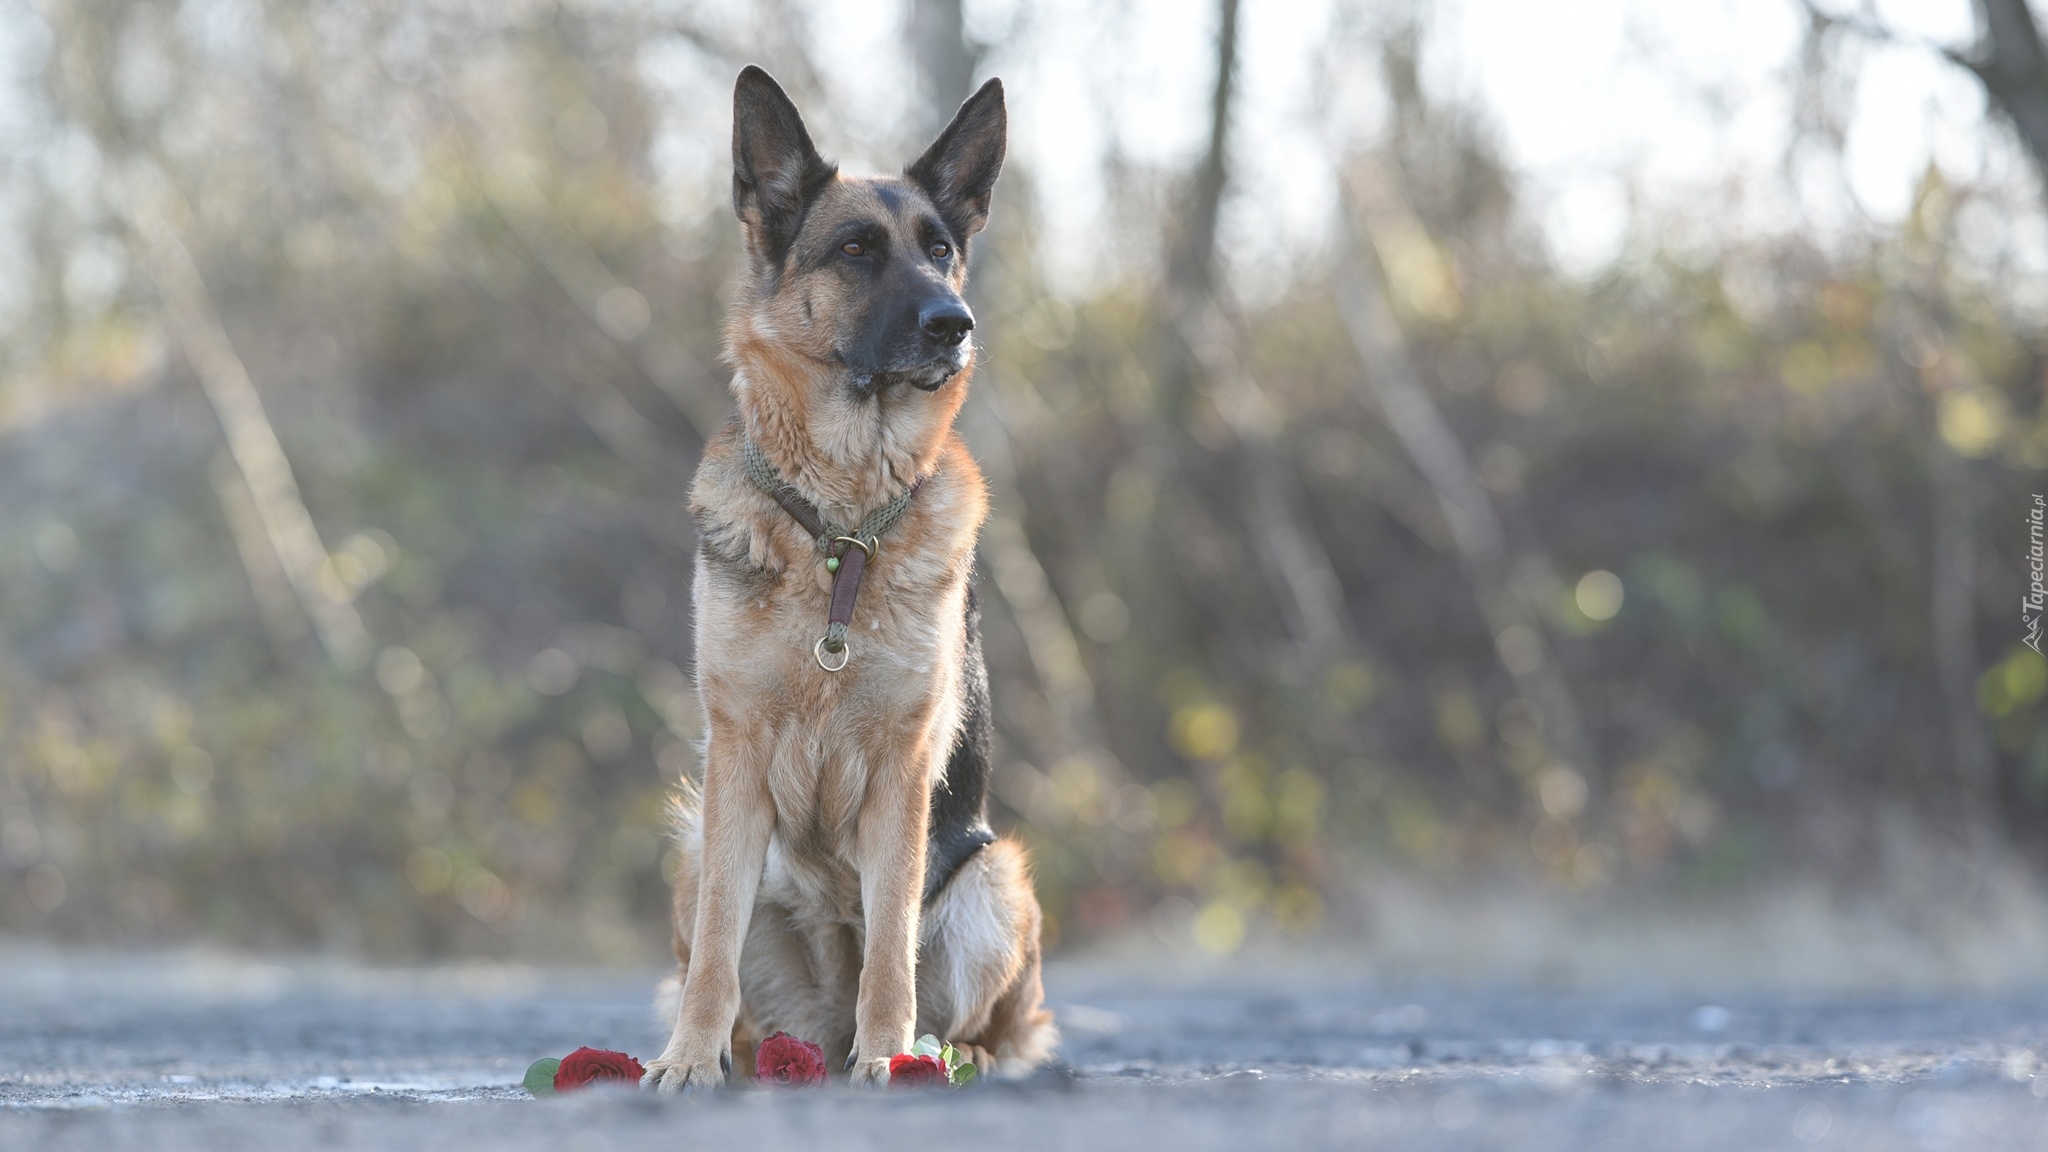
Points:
(845, 655)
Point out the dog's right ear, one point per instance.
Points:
(775, 169)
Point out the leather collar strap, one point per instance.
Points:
(846, 553)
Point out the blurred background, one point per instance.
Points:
(1449, 460)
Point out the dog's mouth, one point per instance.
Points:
(929, 376)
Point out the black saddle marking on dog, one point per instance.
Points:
(959, 815)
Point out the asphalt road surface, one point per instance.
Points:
(205, 1053)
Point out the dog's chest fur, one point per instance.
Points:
(762, 596)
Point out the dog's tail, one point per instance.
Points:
(686, 827)
(686, 812)
(668, 1000)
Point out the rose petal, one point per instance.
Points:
(590, 1065)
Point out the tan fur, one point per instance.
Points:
(978, 975)
(798, 905)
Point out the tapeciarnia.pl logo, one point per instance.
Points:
(2037, 563)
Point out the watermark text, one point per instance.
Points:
(2037, 564)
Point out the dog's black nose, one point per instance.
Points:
(948, 323)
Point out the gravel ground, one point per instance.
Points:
(209, 1053)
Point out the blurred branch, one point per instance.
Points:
(1391, 484)
(145, 202)
(602, 408)
(1393, 385)
(2009, 60)
(1021, 581)
(1289, 547)
(148, 203)
(613, 307)
(1868, 25)
(282, 621)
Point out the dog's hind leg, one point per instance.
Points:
(978, 983)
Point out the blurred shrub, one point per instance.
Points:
(484, 341)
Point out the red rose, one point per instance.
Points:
(590, 1065)
(909, 1071)
(784, 1059)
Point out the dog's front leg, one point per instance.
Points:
(739, 815)
(892, 836)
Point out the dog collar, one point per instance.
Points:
(846, 552)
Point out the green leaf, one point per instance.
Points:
(540, 1077)
(950, 1057)
(927, 1045)
(963, 1075)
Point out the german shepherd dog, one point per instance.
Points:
(839, 879)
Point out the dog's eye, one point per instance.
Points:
(854, 248)
(941, 251)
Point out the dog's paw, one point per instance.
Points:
(679, 1074)
(870, 1073)
(984, 1060)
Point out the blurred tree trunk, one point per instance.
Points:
(2009, 60)
(1191, 263)
(1203, 352)
(2013, 67)
(1952, 566)
(2012, 63)
(946, 61)
(1955, 625)
(1393, 385)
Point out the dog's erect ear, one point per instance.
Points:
(775, 169)
(959, 170)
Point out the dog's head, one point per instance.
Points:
(864, 272)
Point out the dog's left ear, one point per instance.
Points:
(959, 170)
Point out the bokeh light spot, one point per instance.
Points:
(1599, 594)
